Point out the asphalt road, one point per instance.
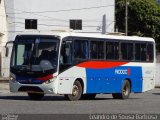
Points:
(19, 103)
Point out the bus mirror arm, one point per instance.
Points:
(6, 47)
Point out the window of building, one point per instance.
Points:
(112, 50)
(126, 51)
(97, 50)
(80, 50)
(30, 23)
(76, 24)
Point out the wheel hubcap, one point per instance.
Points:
(75, 90)
(125, 90)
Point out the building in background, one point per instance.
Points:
(3, 39)
(47, 15)
(89, 16)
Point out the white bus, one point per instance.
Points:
(81, 65)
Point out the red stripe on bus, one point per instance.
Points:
(100, 65)
(45, 78)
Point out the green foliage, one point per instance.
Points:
(143, 18)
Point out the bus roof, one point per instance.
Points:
(91, 35)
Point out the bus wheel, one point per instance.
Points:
(76, 92)
(125, 92)
(88, 96)
(36, 96)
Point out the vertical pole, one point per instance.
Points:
(104, 24)
(126, 17)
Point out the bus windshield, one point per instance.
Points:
(35, 55)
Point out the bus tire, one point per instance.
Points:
(88, 96)
(36, 96)
(76, 92)
(125, 91)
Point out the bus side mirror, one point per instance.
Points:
(7, 49)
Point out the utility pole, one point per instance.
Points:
(126, 17)
(104, 24)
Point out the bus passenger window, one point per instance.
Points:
(137, 51)
(66, 53)
(140, 51)
(80, 50)
(97, 50)
(126, 51)
(65, 56)
(112, 50)
(150, 53)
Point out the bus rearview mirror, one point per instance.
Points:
(7, 49)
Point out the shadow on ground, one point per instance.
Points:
(54, 98)
(156, 93)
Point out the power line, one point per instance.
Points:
(17, 26)
(64, 10)
(56, 19)
(85, 25)
(91, 26)
(53, 25)
(34, 13)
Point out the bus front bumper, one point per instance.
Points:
(35, 88)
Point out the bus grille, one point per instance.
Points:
(30, 89)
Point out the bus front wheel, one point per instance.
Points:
(36, 96)
(76, 92)
(125, 91)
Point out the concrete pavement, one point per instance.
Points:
(4, 87)
(19, 103)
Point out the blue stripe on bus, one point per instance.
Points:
(110, 80)
(28, 80)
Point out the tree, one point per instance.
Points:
(143, 18)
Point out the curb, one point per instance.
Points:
(157, 86)
(4, 81)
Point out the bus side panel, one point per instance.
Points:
(149, 78)
(68, 77)
(110, 80)
(136, 78)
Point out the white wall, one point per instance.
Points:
(158, 70)
(92, 18)
(4, 62)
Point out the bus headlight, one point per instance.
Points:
(47, 79)
(50, 80)
(13, 77)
